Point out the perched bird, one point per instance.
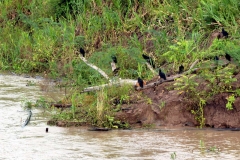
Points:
(216, 58)
(82, 52)
(228, 57)
(224, 33)
(46, 130)
(114, 58)
(149, 60)
(140, 82)
(162, 75)
(181, 69)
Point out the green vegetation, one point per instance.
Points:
(195, 96)
(173, 156)
(44, 37)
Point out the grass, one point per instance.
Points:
(43, 37)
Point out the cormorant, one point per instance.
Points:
(140, 82)
(225, 33)
(82, 52)
(162, 75)
(149, 60)
(114, 58)
(228, 57)
(216, 59)
(181, 69)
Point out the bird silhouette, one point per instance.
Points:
(140, 82)
(114, 58)
(228, 57)
(216, 59)
(82, 52)
(181, 69)
(149, 60)
(162, 75)
(225, 33)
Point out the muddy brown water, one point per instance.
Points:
(32, 142)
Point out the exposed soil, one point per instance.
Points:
(163, 106)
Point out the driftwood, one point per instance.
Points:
(118, 82)
(194, 63)
(94, 67)
(28, 119)
(58, 105)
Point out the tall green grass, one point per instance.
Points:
(38, 37)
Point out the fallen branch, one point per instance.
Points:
(119, 82)
(94, 67)
(194, 63)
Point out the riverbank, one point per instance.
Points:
(163, 106)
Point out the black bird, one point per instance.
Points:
(149, 60)
(225, 33)
(46, 130)
(114, 58)
(162, 75)
(228, 57)
(140, 82)
(82, 52)
(181, 69)
(216, 59)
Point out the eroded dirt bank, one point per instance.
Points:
(165, 107)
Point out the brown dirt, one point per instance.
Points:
(165, 107)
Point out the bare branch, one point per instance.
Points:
(119, 82)
(95, 67)
(194, 63)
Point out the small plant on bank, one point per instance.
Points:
(162, 104)
(149, 101)
(173, 156)
(230, 101)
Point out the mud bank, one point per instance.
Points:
(165, 107)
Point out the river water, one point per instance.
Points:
(32, 142)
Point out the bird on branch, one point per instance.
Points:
(162, 75)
